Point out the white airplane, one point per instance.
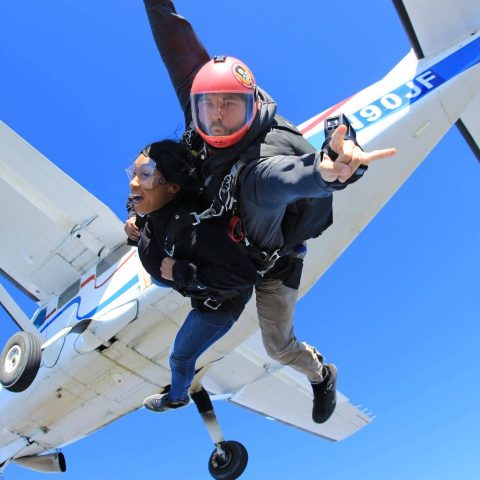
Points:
(98, 343)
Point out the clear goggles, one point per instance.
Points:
(147, 177)
(222, 113)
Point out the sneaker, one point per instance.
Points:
(161, 403)
(324, 395)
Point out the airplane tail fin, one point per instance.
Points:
(429, 35)
(455, 22)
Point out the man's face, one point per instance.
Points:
(222, 114)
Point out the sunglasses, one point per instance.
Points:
(148, 178)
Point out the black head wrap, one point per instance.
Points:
(173, 161)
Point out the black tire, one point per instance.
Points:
(20, 361)
(234, 464)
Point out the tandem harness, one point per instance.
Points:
(226, 201)
(201, 296)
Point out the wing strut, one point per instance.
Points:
(16, 313)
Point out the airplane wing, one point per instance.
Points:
(454, 21)
(277, 392)
(55, 230)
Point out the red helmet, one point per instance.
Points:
(224, 101)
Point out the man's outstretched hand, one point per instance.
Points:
(350, 157)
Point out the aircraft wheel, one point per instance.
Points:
(20, 361)
(234, 463)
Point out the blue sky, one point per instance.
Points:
(398, 312)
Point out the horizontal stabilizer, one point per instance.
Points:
(278, 392)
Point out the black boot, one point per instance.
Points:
(324, 395)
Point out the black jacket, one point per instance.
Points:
(208, 263)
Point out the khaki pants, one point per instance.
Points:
(275, 307)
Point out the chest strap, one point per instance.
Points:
(225, 199)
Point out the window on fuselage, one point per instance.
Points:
(111, 259)
(40, 316)
(68, 294)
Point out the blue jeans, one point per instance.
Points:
(198, 332)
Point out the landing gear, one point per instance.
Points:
(229, 459)
(20, 361)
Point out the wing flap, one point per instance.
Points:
(56, 229)
(278, 392)
(435, 25)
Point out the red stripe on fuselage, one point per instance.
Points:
(115, 271)
(93, 277)
(322, 117)
(50, 314)
(89, 279)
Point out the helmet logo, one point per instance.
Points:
(243, 75)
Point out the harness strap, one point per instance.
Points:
(226, 200)
(209, 298)
(212, 299)
(179, 221)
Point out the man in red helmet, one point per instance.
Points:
(283, 186)
(223, 117)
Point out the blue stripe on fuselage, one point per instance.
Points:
(413, 90)
(131, 283)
